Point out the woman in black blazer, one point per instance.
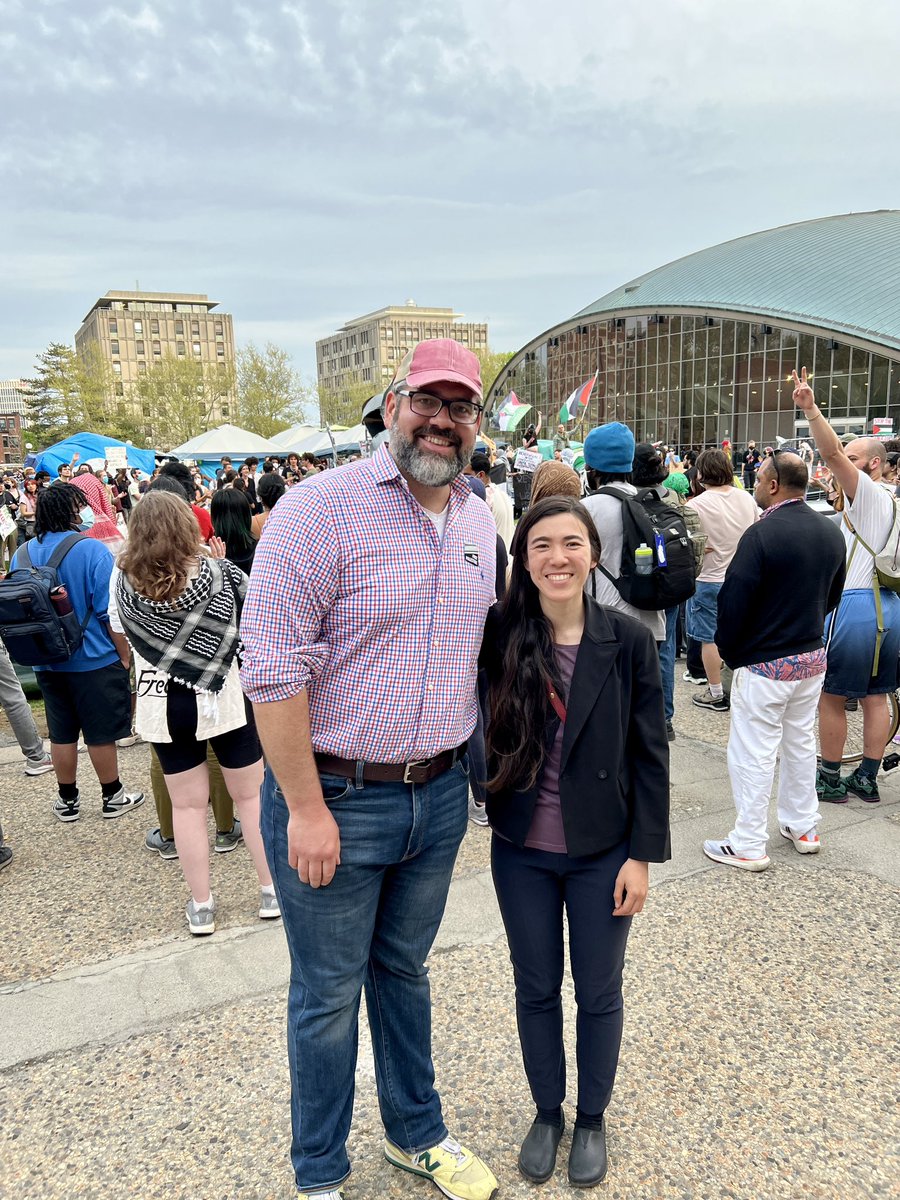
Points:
(578, 799)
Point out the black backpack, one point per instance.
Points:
(33, 631)
(649, 520)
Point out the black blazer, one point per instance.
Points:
(614, 772)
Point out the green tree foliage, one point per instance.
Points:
(182, 397)
(344, 406)
(71, 393)
(492, 363)
(270, 394)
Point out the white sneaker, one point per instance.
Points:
(38, 766)
(477, 812)
(804, 843)
(126, 743)
(723, 852)
(269, 908)
(122, 802)
(201, 921)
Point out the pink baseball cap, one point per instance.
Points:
(441, 360)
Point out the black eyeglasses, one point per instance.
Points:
(423, 404)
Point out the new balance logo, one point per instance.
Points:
(425, 1160)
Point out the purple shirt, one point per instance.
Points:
(356, 598)
(546, 831)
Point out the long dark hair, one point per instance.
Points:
(232, 516)
(519, 694)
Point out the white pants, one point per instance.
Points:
(768, 714)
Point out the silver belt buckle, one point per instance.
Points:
(411, 766)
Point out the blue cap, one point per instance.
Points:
(610, 448)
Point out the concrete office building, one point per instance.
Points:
(12, 410)
(702, 349)
(368, 349)
(134, 330)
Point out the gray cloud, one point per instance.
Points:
(306, 162)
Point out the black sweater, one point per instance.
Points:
(786, 575)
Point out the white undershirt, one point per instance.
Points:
(439, 520)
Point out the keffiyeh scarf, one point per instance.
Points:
(195, 639)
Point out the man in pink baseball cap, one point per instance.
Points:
(433, 411)
(441, 360)
(362, 627)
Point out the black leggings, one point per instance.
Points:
(532, 887)
(235, 749)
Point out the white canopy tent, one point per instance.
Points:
(227, 439)
(289, 439)
(319, 442)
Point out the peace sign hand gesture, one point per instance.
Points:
(803, 394)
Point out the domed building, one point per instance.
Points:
(702, 349)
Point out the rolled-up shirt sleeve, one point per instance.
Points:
(293, 585)
(115, 622)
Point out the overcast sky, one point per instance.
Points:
(308, 161)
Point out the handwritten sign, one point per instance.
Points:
(7, 524)
(116, 457)
(527, 460)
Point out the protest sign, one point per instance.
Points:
(527, 460)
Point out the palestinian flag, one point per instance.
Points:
(577, 402)
(511, 412)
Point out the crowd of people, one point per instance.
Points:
(352, 664)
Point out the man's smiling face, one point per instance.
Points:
(432, 450)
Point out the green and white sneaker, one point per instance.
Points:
(458, 1172)
(864, 786)
(831, 788)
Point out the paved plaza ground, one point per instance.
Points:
(760, 1057)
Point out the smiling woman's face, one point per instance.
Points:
(559, 557)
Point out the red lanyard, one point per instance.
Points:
(558, 707)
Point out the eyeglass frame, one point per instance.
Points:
(774, 455)
(479, 408)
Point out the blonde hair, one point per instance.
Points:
(163, 540)
(555, 479)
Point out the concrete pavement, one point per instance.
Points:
(760, 1055)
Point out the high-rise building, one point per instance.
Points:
(12, 410)
(133, 331)
(368, 349)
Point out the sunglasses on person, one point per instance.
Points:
(774, 458)
(423, 404)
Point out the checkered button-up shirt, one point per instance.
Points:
(354, 597)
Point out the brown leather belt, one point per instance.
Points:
(410, 772)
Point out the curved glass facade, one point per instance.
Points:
(693, 380)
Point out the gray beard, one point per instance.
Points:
(430, 470)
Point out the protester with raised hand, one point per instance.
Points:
(863, 633)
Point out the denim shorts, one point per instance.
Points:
(850, 643)
(702, 613)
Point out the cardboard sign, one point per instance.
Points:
(7, 524)
(527, 460)
(116, 457)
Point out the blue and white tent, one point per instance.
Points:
(90, 448)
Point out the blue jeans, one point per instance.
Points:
(667, 662)
(372, 927)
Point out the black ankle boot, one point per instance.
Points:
(537, 1158)
(587, 1158)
